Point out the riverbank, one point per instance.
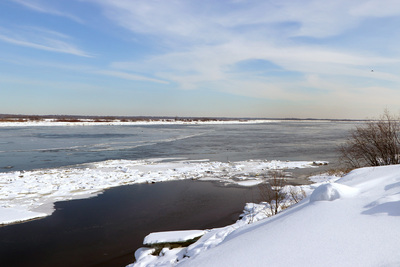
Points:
(163, 249)
(352, 221)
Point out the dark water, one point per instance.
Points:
(26, 148)
(107, 229)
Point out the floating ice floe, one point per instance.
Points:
(11, 215)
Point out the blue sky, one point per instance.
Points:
(233, 58)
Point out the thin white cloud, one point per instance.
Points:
(70, 86)
(212, 21)
(42, 8)
(205, 64)
(41, 39)
(128, 76)
(81, 69)
(205, 38)
(376, 8)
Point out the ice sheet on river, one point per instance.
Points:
(35, 191)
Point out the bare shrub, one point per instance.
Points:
(375, 143)
(297, 195)
(272, 192)
(277, 195)
(339, 171)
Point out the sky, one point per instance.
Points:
(237, 58)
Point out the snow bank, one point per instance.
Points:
(354, 221)
(172, 237)
(33, 190)
(330, 192)
(360, 229)
(144, 255)
(252, 213)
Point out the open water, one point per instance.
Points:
(107, 229)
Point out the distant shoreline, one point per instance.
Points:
(99, 122)
(75, 120)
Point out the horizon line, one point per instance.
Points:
(115, 117)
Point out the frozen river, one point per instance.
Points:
(27, 148)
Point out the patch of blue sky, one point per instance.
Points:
(370, 35)
(261, 67)
(371, 79)
(286, 28)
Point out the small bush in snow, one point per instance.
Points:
(276, 195)
(272, 193)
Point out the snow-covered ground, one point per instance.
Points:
(26, 195)
(52, 122)
(351, 221)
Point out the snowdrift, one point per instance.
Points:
(352, 222)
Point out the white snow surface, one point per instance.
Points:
(10, 215)
(330, 192)
(35, 191)
(172, 236)
(353, 221)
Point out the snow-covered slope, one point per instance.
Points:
(353, 222)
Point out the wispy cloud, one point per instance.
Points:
(212, 21)
(81, 69)
(204, 39)
(128, 76)
(376, 8)
(191, 69)
(42, 8)
(41, 39)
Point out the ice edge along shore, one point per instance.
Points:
(25, 195)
